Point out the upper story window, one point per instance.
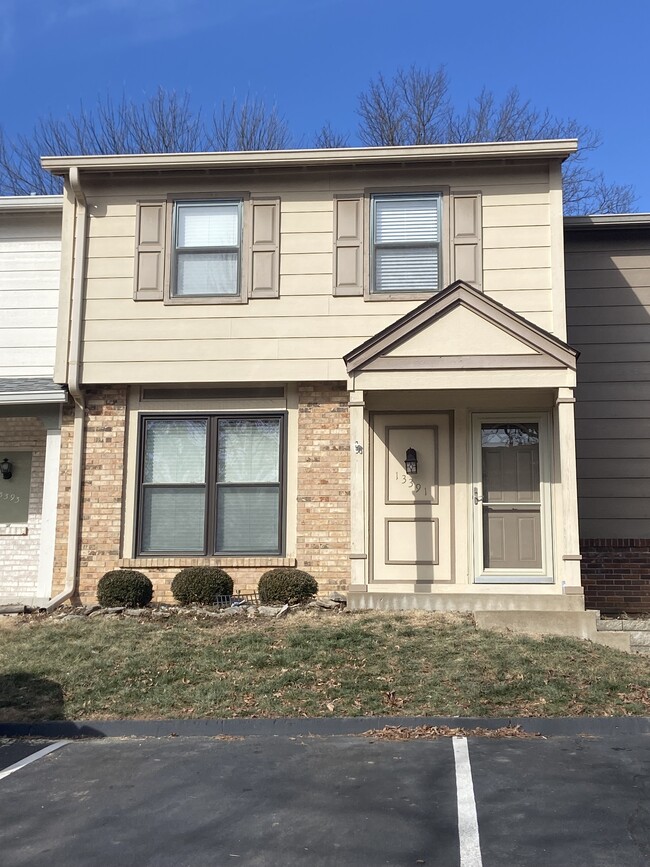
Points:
(405, 249)
(207, 249)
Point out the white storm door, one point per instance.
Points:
(411, 531)
(511, 500)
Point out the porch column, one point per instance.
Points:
(358, 545)
(567, 441)
(49, 504)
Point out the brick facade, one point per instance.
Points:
(322, 508)
(616, 575)
(323, 547)
(20, 544)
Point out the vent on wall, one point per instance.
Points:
(211, 393)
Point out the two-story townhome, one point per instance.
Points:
(608, 312)
(30, 402)
(351, 360)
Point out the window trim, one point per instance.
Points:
(207, 198)
(370, 195)
(210, 484)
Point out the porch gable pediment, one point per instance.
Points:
(461, 329)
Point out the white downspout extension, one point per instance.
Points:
(74, 361)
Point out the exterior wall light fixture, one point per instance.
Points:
(6, 468)
(411, 462)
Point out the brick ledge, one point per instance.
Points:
(226, 562)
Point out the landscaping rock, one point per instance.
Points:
(230, 612)
(99, 612)
(91, 609)
(335, 596)
(135, 612)
(267, 610)
(326, 603)
(113, 610)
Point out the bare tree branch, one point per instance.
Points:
(248, 126)
(327, 137)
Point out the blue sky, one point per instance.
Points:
(587, 60)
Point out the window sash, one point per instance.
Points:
(263, 473)
(209, 247)
(406, 244)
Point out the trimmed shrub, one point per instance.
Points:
(201, 585)
(286, 585)
(124, 587)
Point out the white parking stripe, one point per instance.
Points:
(33, 758)
(470, 846)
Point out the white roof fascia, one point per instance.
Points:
(25, 397)
(548, 149)
(42, 204)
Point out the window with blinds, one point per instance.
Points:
(406, 243)
(207, 240)
(211, 485)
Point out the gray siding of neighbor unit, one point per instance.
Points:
(608, 300)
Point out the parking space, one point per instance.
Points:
(338, 800)
(14, 751)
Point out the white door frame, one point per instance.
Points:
(512, 576)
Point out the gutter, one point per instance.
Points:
(74, 389)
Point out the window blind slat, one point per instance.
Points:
(175, 451)
(248, 450)
(207, 274)
(213, 225)
(406, 269)
(404, 220)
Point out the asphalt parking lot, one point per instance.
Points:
(328, 800)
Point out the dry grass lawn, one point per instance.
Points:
(369, 664)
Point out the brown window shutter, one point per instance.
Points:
(149, 251)
(265, 248)
(466, 238)
(348, 245)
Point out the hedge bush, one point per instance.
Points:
(124, 588)
(286, 586)
(201, 585)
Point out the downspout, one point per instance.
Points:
(74, 389)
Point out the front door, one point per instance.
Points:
(411, 478)
(509, 499)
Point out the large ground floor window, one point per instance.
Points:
(211, 484)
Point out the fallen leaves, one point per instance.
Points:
(410, 733)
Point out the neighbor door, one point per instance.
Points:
(411, 520)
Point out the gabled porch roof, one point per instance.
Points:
(458, 330)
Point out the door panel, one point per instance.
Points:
(411, 532)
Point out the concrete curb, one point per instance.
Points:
(551, 727)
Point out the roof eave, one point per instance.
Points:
(331, 157)
(32, 204)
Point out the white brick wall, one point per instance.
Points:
(19, 546)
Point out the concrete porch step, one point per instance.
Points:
(571, 624)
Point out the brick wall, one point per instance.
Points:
(324, 484)
(19, 545)
(323, 498)
(616, 575)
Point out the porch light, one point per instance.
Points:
(6, 468)
(411, 462)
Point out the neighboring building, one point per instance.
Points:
(353, 361)
(30, 402)
(608, 298)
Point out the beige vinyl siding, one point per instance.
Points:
(308, 329)
(608, 309)
(30, 255)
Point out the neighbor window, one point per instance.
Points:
(211, 485)
(207, 241)
(406, 243)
